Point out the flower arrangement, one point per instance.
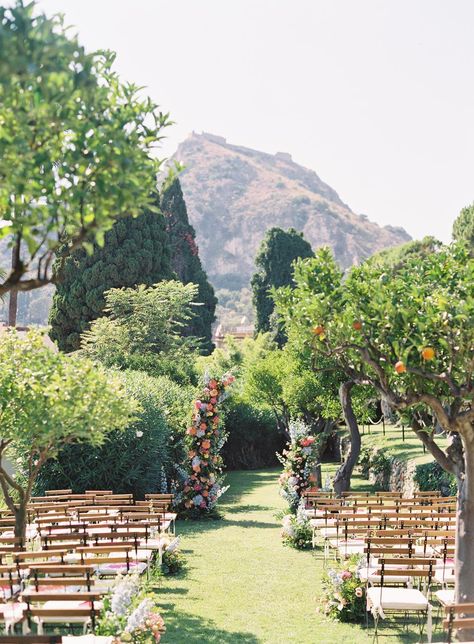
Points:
(202, 475)
(173, 559)
(343, 592)
(129, 614)
(296, 531)
(299, 462)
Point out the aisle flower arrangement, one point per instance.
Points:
(343, 592)
(296, 530)
(129, 614)
(299, 461)
(202, 483)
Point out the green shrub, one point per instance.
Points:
(253, 437)
(431, 476)
(133, 460)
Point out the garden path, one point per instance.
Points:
(241, 585)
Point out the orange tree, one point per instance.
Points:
(76, 144)
(49, 400)
(407, 332)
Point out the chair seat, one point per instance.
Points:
(370, 574)
(61, 605)
(329, 532)
(445, 576)
(87, 639)
(12, 613)
(445, 597)
(387, 598)
(351, 548)
(121, 568)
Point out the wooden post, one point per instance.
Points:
(403, 433)
(383, 425)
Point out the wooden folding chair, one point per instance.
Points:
(459, 617)
(383, 599)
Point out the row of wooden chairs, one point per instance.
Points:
(408, 546)
(76, 546)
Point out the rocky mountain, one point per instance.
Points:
(234, 194)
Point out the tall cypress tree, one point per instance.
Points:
(185, 261)
(135, 251)
(463, 228)
(277, 252)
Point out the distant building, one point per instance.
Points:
(23, 329)
(239, 332)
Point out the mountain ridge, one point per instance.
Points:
(234, 194)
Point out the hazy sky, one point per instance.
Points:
(377, 96)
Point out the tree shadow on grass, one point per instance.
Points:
(243, 482)
(251, 508)
(183, 628)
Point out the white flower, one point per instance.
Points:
(139, 615)
(174, 545)
(139, 434)
(126, 588)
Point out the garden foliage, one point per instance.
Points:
(137, 460)
(63, 182)
(134, 251)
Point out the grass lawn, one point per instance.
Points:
(242, 585)
(408, 448)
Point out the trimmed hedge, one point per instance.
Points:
(253, 437)
(134, 460)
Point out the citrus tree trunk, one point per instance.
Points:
(21, 521)
(464, 562)
(342, 480)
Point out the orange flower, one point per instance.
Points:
(196, 468)
(202, 426)
(191, 453)
(191, 431)
(206, 444)
(205, 493)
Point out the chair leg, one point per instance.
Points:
(376, 627)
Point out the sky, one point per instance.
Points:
(376, 96)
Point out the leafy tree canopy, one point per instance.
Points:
(76, 143)
(48, 400)
(408, 333)
(142, 330)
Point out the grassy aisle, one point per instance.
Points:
(242, 585)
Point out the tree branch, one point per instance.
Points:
(440, 456)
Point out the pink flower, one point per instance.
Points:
(346, 575)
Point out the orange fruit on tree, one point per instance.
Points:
(428, 353)
(400, 367)
(317, 330)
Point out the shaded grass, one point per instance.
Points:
(410, 448)
(242, 585)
